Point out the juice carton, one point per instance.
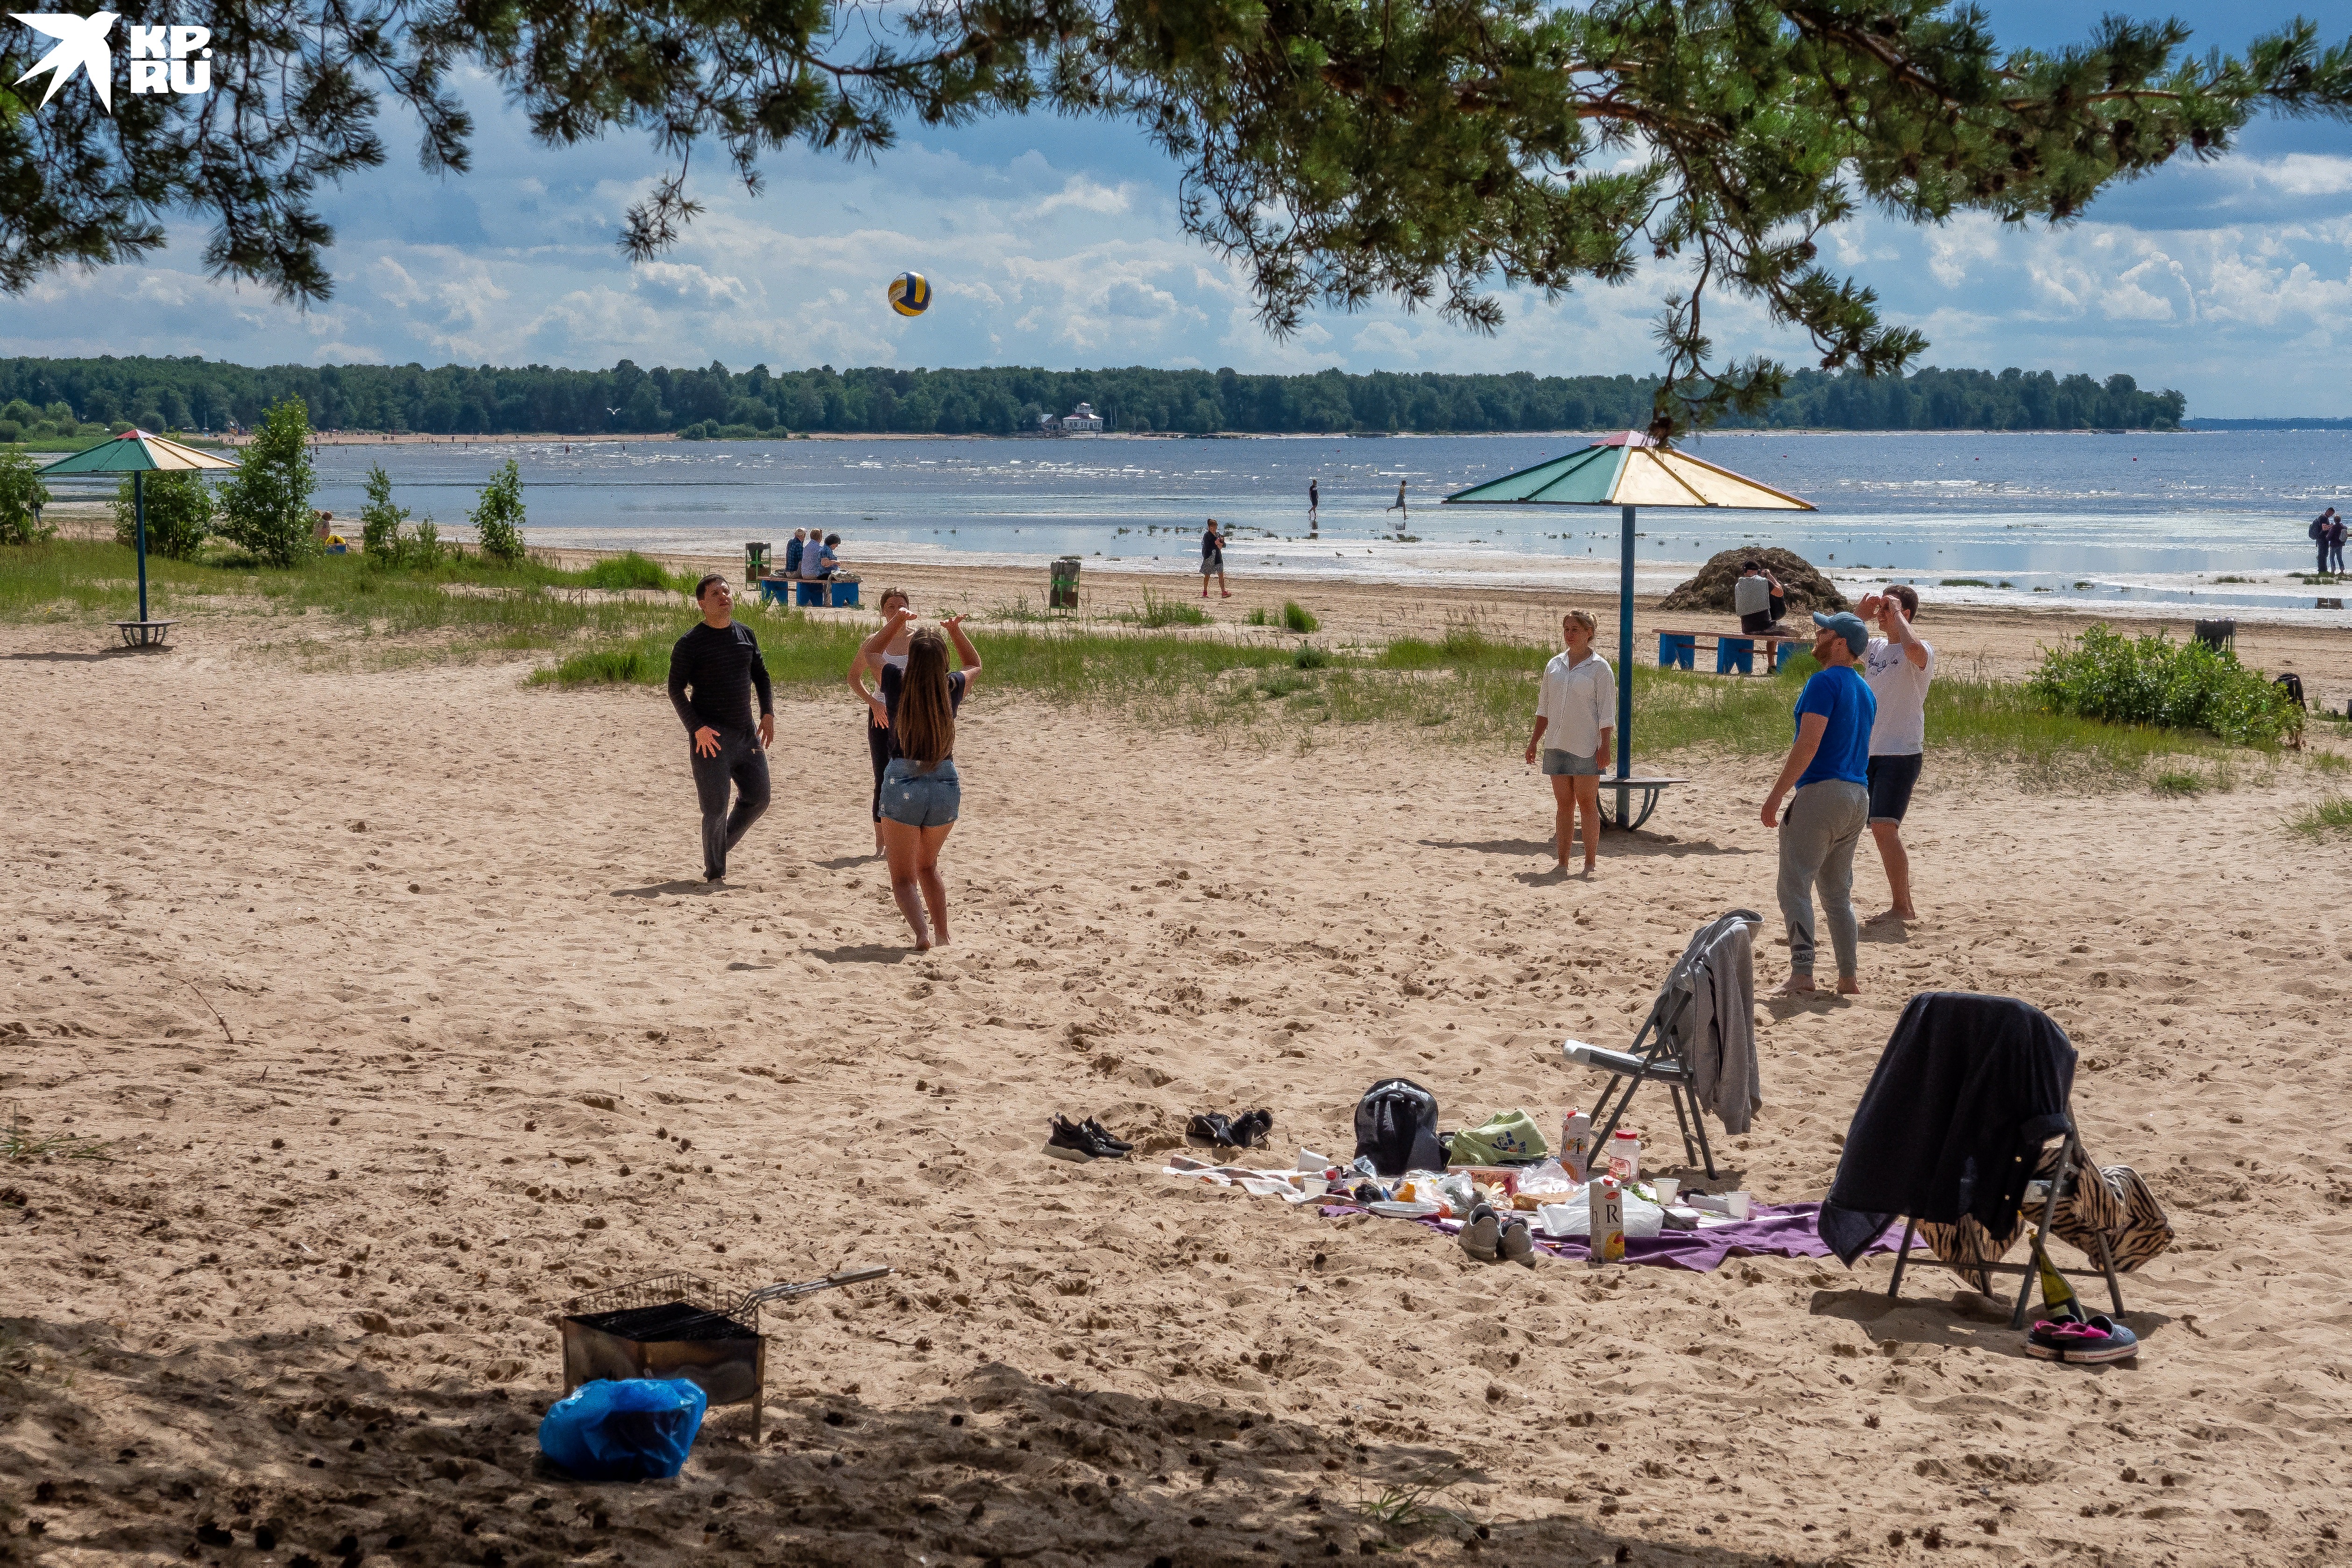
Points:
(1607, 1206)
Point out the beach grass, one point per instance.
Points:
(1468, 688)
(2330, 818)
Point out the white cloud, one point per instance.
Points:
(1082, 194)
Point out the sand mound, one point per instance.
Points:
(1711, 589)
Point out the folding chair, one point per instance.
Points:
(1651, 1059)
(2074, 1165)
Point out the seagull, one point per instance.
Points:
(81, 46)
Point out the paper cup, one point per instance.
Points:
(1736, 1204)
(1665, 1187)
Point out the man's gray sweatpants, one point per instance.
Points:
(1817, 835)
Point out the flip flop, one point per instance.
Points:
(2079, 1344)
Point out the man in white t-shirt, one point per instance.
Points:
(1898, 668)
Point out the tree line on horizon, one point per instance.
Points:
(67, 396)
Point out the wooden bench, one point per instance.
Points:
(1626, 789)
(1735, 652)
(817, 591)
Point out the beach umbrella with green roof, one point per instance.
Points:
(139, 454)
(1628, 471)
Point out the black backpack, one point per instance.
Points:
(1396, 1127)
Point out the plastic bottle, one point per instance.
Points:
(1576, 1144)
(1625, 1157)
(1606, 1206)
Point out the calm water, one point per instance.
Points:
(2123, 520)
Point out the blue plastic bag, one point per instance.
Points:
(636, 1429)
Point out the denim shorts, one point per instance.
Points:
(919, 799)
(1555, 764)
(1891, 780)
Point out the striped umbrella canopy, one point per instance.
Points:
(139, 454)
(1628, 471)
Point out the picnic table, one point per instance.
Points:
(1735, 651)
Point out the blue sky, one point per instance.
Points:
(1056, 242)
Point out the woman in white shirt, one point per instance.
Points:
(1576, 714)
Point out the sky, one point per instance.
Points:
(1056, 242)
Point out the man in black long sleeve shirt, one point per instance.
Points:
(720, 662)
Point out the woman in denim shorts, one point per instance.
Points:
(922, 792)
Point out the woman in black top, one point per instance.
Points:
(878, 731)
(922, 794)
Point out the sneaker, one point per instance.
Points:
(1103, 1135)
(1252, 1128)
(1479, 1234)
(2081, 1344)
(1068, 1142)
(1516, 1243)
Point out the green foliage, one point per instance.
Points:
(424, 548)
(2178, 781)
(627, 571)
(21, 495)
(265, 507)
(1001, 400)
(1296, 619)
(2151, 680)
(1336, 153)
(1257, 617)
(498, 518)
(1309, 657)
(380, 519)
(179, 513)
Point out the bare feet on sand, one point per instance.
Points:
(1802, 985)
(1906, 917)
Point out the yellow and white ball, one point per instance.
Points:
(910, 293)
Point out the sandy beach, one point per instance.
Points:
(394, 998)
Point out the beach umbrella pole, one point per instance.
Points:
(1624, 666)
(140, 516)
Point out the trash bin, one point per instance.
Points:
(755, 560)
(1064, 593)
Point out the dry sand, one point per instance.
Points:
(384, 989)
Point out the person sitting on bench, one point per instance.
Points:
(817, 560)
(1759, 598)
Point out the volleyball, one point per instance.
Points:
(910, 293)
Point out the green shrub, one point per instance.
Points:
(2178, 783)
(423, 550)
(1309, 657)
(22, 495)
(380, 519)
(498, 518)
(1257, 617)
(629, 571)
(640, 666)
(2152, 679)
(1296, 619)
(179, 513)
(265, 507)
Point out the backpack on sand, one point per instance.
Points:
(1396, 1125)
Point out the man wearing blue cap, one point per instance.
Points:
(1829, 770)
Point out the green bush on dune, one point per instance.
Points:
(629, 571)
(2153, 680)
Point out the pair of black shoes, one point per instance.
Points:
(1082, 1141)
(1247, 1131)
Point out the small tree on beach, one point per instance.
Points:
(266, 505)
(179, 513)
(22, 495)
(380, 519)
(498, 519)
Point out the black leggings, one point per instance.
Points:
(740, 768)
(878, 746)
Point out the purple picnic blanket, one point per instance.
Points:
(1784, 1230)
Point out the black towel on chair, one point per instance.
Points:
(1966, 1094)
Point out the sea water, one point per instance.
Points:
(2160, 520)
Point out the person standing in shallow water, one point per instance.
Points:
(713, 670)
(1314, 506)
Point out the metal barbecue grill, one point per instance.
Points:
(682, 1325)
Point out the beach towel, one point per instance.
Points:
(1505, 1138)
(1788, 1230)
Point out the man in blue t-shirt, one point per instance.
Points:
(1829, 769)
